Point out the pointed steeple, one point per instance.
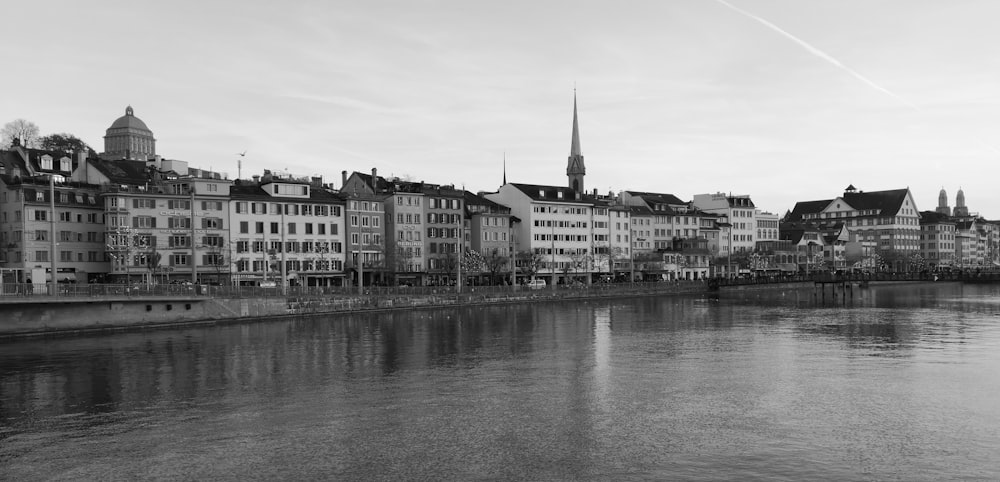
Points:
(574, 148)
(504, 168)
(575, 170)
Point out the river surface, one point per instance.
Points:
(892, 383)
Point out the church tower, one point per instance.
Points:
(960, 209)
(943, 207)
(575, 169)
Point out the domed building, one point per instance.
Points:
(129, 138)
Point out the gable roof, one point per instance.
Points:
(655, 197)
(886, 203)
(122, 171)
(257, 192)
(538, 192)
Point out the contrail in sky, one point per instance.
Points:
(836, 63)
(823, 55)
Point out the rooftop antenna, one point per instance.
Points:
(239, 164)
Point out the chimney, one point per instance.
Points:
(256, 179)
(316, 181)
(343, 179)
(374, 180)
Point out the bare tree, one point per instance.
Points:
(473, 263)
(122, 244)
(24, 131)
(530, 262)
(220, 258)
(579, 261)
(494, 264)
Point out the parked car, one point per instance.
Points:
(535, 284)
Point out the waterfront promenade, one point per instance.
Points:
(32, 311)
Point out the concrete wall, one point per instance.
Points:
(32, 316)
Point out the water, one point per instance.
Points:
(898, 383)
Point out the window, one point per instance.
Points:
(274, 228)
(213, 241)
(291, 228)
(180, 204)
(178, 259)
(41, 255)
(211, 223)
(259, 227)
(41, 215)
(213, 259)
(144, 222)
(179, 223)
(143, 203)
(309, 228)
(178, 241)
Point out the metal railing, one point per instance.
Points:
(94, 290)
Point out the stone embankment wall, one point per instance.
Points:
(40, 315)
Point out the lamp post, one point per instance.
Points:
(52, 228)
(284, 248)
(461, 253)
(194, 253)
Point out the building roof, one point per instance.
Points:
(256, 192)
(538, 192)
(886, 203)
(655, 197)
(122, 171)
(934, 217)
(486, 205)
(129, 120)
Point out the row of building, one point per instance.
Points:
(128, 215)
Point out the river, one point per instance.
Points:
(893, 383)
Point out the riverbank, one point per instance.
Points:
(39, 315)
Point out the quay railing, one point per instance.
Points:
(11, 291)
(964, 276)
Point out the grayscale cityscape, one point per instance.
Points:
(361, 242)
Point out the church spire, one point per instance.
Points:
(575, 170)
(504, 168)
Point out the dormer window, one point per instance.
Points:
(559, 194)
(65, 165)
(541, 193)
(46, 162)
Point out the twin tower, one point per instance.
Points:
(960, 208)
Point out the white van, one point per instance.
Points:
(535, 284)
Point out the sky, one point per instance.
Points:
(783, 100)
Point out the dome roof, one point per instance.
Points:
(129, 120)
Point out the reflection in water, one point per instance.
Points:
(744, 385)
